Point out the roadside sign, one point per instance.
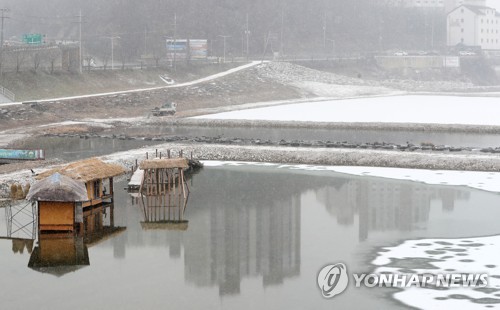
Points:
(451, 62)
(33, 38)
(22, 154)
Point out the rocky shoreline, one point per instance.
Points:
(303, 155)
(408, 147)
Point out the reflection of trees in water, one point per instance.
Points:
(384, 204)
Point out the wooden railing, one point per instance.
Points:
(7, 93)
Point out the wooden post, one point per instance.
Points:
(156, 153)
(169, 193)
(168, 153)
(179, 173)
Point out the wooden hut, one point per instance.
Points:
(97, 176)
(59, 200)
(164, 193)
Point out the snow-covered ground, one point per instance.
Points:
(393, 109)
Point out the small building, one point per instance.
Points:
(65, 195)
(475, 26)
(60, 203)
(97, 176)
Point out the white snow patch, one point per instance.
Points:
(487, 181)
(464, 255)
(68, 123)
(394, 109)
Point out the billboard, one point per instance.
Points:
(198, 49)
(22, 154)
(177, 49)
(182, 49)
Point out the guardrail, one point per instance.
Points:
(7, 93)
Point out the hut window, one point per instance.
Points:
(97, 187)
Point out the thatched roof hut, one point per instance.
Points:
(164, 163)
(58, 187)
(87, 170)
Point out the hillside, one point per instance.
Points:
(42, 85)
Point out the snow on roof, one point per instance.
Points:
(57, 187)
(476, 9)
(87, 170)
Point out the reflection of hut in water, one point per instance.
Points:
(59, 254)
(92, 186)
(164, 193)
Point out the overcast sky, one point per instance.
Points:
(494, 4)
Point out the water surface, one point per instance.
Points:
(257, 237)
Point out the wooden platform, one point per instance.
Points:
(136, 180)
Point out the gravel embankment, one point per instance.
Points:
(294, 155)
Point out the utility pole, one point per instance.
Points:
(324, 32)
(145, 39)
(247, 33)
(3, 17)
(80, 40)
(175, 42)
(112, 38)
(224, 37)
(282, 29)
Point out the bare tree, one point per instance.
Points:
(20, 56)
(53, 55)
(37, 60)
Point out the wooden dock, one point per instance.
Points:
(136, 180)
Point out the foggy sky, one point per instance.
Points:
(494, 4)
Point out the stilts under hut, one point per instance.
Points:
(164, 193)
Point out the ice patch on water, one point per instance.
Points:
(403, 109)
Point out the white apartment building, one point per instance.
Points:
(474, 26)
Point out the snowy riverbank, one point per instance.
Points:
(359, 161)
